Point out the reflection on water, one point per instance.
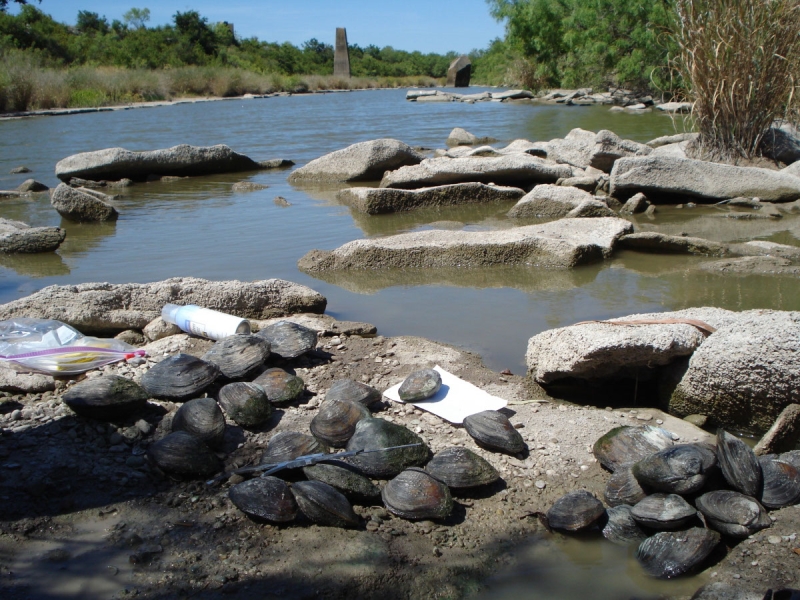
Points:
(45, 264)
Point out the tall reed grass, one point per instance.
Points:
(741, 62)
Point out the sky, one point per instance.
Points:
(426, 25)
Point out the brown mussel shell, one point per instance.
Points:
(181, 453)
(732, 513)
(626, 445)
(179, 378)
(238, 356)
(336, 421)
(106, 398)
(289, 340)
(663, 512)
(781, 483)
(354, 391)
(669, 554)
(203, 418)
(623, 487)
(679, 469)
(376, 434)
(265, 498)
(575, 511)
(280, 386)
(289, 445)
(415, 494)
(344, 477)
(246, 403)
(324, 504)
(461, 468)
(493, 430)
(420, 385)
(739, 464)
(621, 528)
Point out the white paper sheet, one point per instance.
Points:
(455, 400)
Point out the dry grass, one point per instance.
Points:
(741, 62)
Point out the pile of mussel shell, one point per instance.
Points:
(677, 502)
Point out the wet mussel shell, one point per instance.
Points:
(792, 457)
(627, 445)
(106, 398)
(461, 468)
(781, 483)
(739, 465)
(663, 511)
(623, 488)
(376, 434)
(669, 554)
(179, 378)
(265, 498)
(336, 420)
(415, 494)
(324, 504)
(289, 445)
(732, 513)
(203, 418)
(279, 385)
(354, 391)
(344, 477)
(246, 403)
(621, 528)
(238, 356)
(680, 469)
(493, 430)
(181, 453)
(420, 385)
(575, 511)
(289, 340)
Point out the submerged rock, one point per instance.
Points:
(82, 205)
(375, 201)
(553, 201)
(651, 241)
(19, 238)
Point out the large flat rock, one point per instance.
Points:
(107, 307)
(375, 201)
(519, 170)
(182, 160)
(671, 179)
(553, 201)
(560, 244)
(581, 148)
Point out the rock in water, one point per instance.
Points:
(677, 470)
(17, 237)
(324, 504)
(81, 206)
(461, 468)
(415, 494)
(626, 445)
(246, 403)
(670, 554)
(238, 356)
(739, 465)
(289, 340)
(203, 418)
(280, 386)
(179, 378)
(420, 385)
(181, 453)
(663, 511)
(621, 528)
(105, 398)
(266, 498)
(732, 513)
(376, 434)
(575, 511)
(354, 391)
(494, 431)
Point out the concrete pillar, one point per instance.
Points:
(341, 54)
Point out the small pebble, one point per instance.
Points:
(774, 539)
(540, 484)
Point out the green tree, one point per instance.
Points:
(91, 23)
(137, 18)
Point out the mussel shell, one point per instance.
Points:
(420, 385)
(106, 398)
(266, 498)
(739, 464)
(415, 494)
(677, 470)
(181, 453)
(663, 511)
(376, 434)
(203, 418)
(246, 403)
(627, 445)
(355, 391)
(344, 477)
(621, 528)
(336, 421)
(289, 445)
(238, 356)
(732, 513)
(669, 554)
(289, 340)
(781, 483)
(575, 511)
(493, 430)
(279, 385)
(324, 504)
(792, 457)
(461, 468)
(623, 487)
(179, 377)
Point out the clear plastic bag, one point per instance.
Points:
(55, 348)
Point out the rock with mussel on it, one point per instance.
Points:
(672, 553)
(335, 421)
(623, 487)
(105, 398)
(354, 391)
(621, 528)
(324, 504)
(781, 483)
(181, 453)
(288, 445)
(179, 378)
(416, 494)
(461, 468)
(238, 356)
(344, 477)
(663, 512)
(265, 498)
(420, 385)
(494, 431)
(246, 403)
(732, 513)
(575, 511)
(625, 445)
(203, 418)
(739, 465)
(280, 386)
(680, 469)
(377, 434)
(289, 340)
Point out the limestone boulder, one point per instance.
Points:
(638, 203)
(512, 95)
(673, 180)
(374, 201)
(106, 307)
(745, 373)
(31, 185)
(581, 148)
(651, 241)
(559, 244)
(364, 161)
(82, 205)
(183, 160)
(553, 201)
(793, 169)
(20, 238)
(462, 137)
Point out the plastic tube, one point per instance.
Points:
(204, 321)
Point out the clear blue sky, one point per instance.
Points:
(424, 25)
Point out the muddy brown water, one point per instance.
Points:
(200, 227)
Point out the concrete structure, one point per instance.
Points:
(341, 54)
(459, 72)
